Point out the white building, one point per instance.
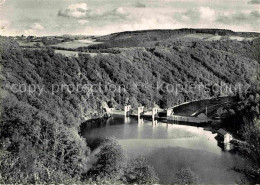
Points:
(226, 136)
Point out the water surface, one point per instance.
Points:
(170, 147)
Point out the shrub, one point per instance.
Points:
(111, 162)
(141, 172)
(187, 176)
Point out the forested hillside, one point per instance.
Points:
(39, 138)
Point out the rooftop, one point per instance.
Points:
(222, 132)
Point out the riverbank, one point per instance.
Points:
(93, 144)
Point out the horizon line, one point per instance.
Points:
(128, 31)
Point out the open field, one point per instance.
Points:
(211, 37)
(75, 53)
(76, 44)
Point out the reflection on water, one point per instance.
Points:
(127, 120)
(140, 121)
(170, 147)
(154, 122)
(225, 147)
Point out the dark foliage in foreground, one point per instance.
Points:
(244, 119)
(113, 165)
(187, 176)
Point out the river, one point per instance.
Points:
(170, 147)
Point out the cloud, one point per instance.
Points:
(196, 15)
(75, 10)
(4, 24)
(113, 15)
(37, 26)
(119, 11)
(255, 14)
(2, 2)
(190, 15)
(29, 20)
(82, 22)
(139, 5)
(204, 16)
(207, 14)
(6, 28)
(34, 29)
(254, 2)
(240, 18)
(81, 11)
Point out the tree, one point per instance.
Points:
(133, 102)
(139, 171)
(251, 152)
(111, 162)
(187, 176)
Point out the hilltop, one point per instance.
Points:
(170, 33)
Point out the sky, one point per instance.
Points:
(100, 17)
